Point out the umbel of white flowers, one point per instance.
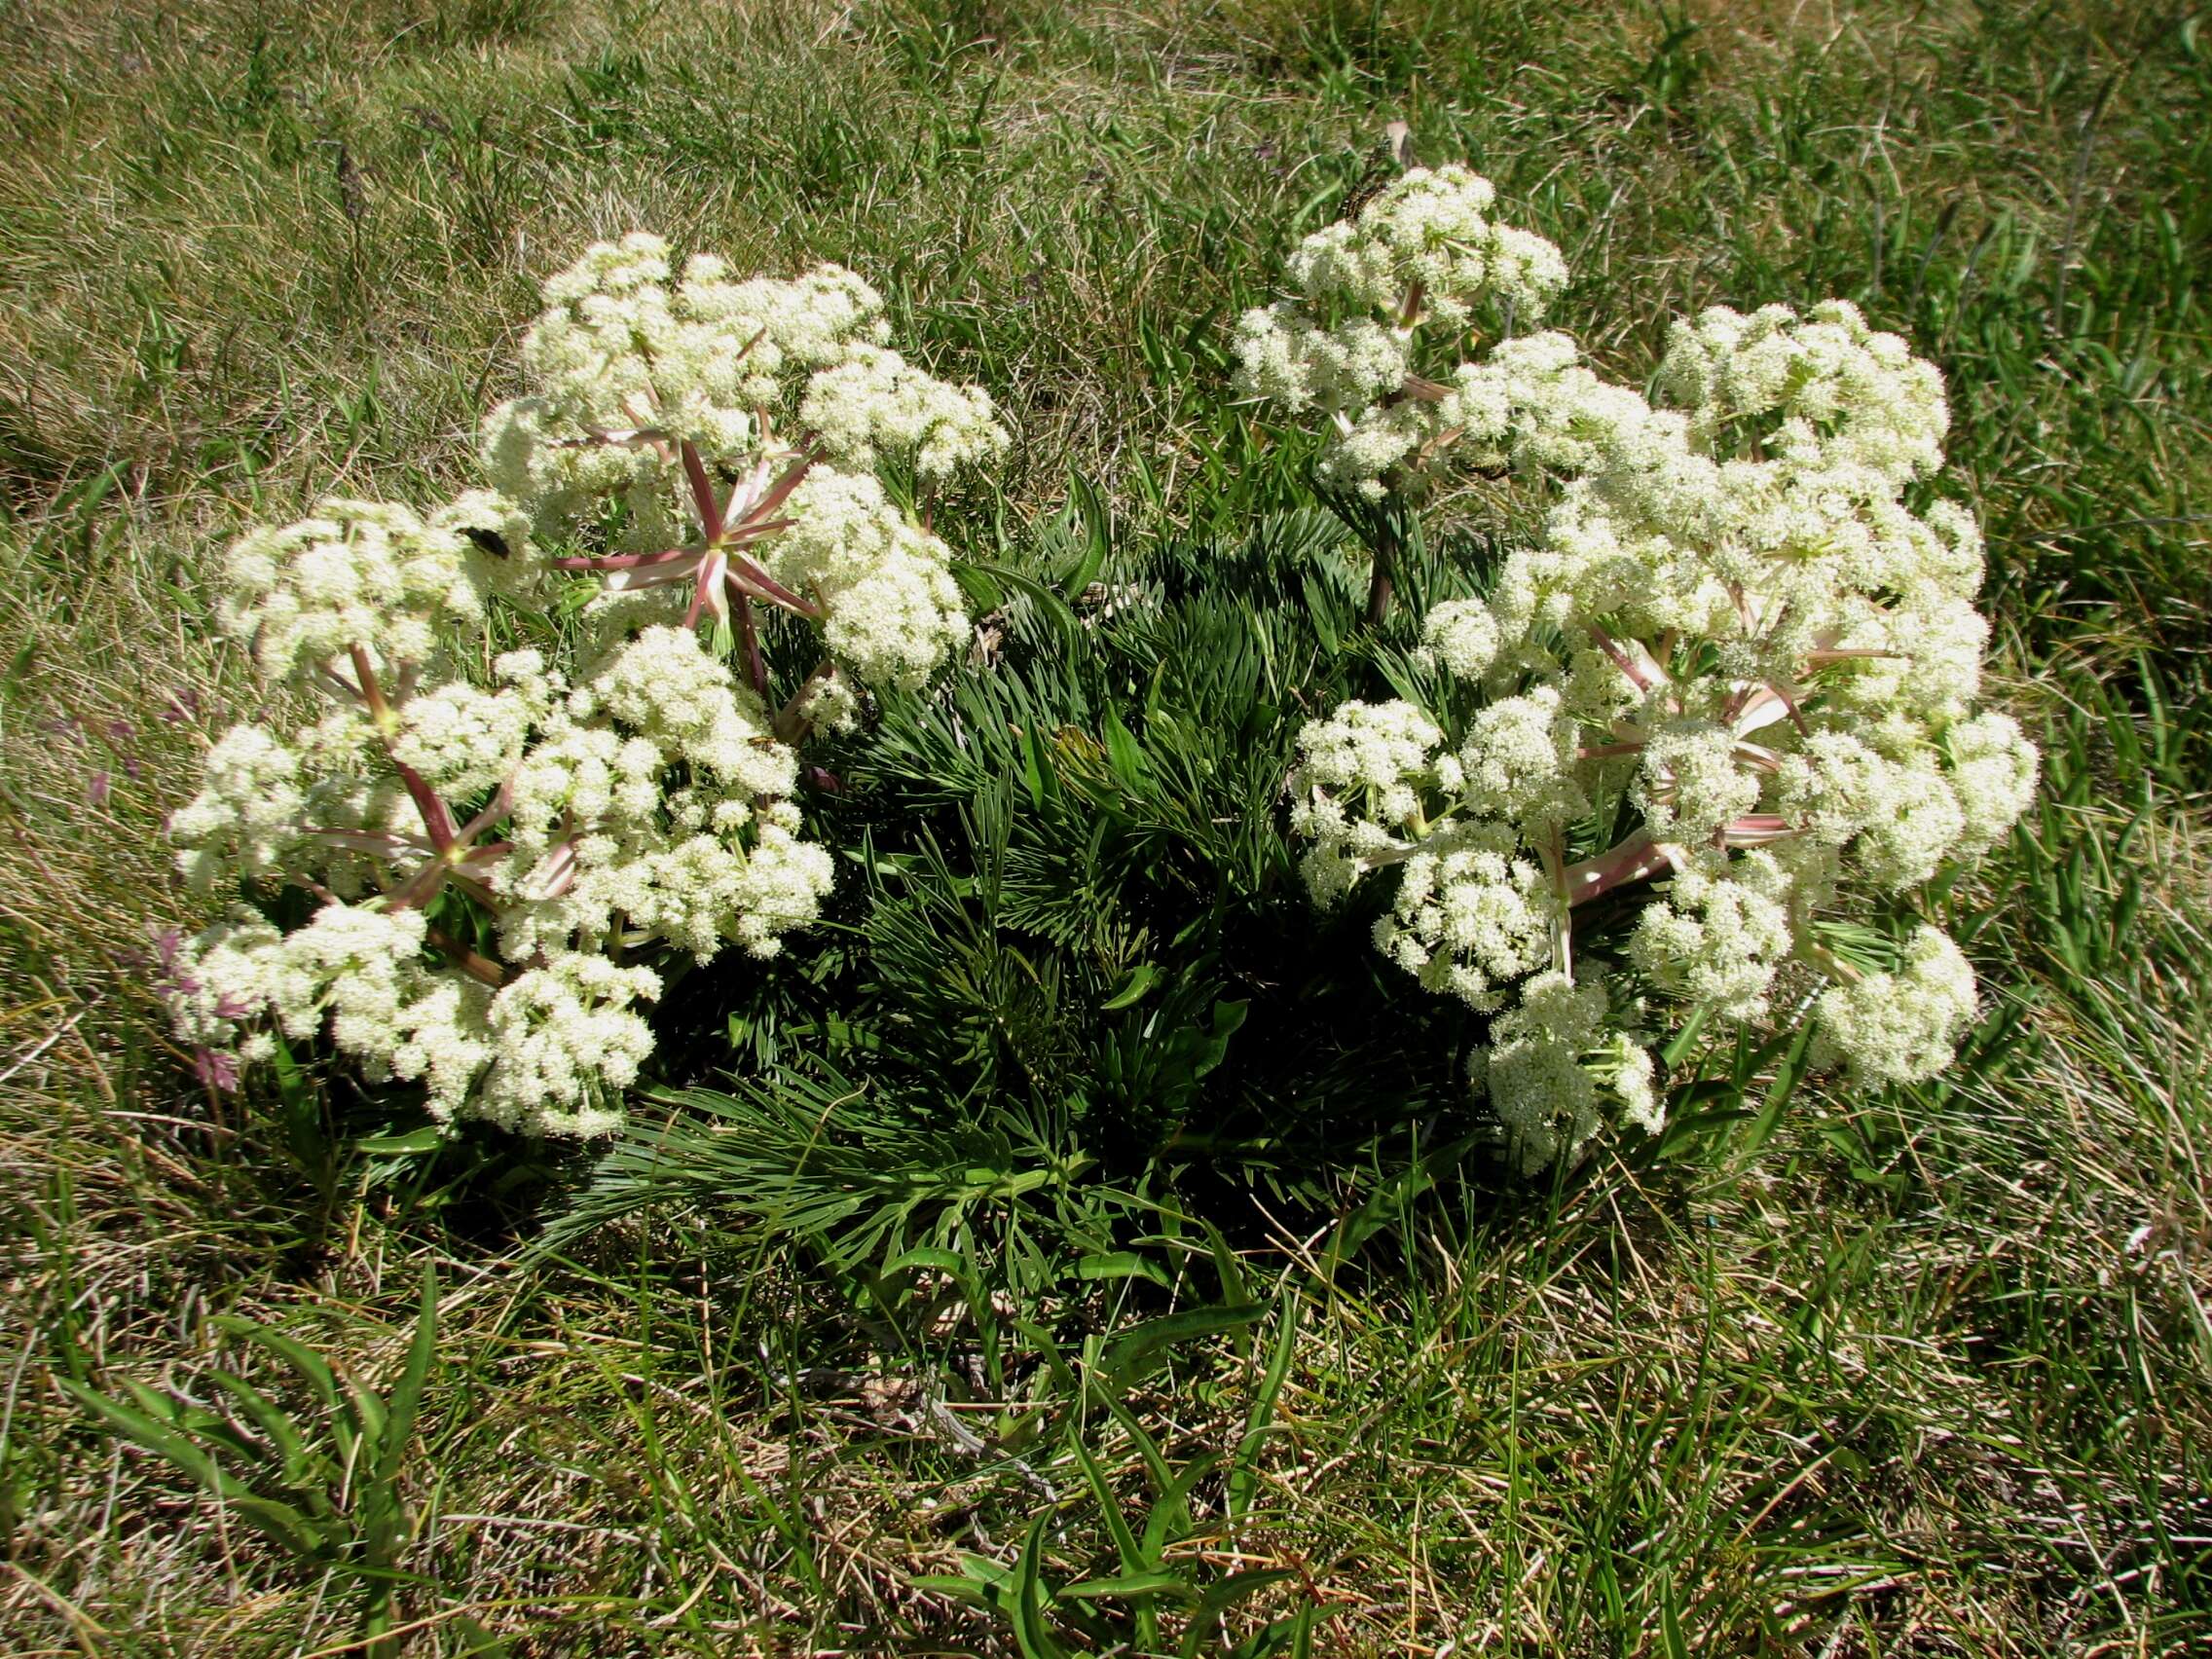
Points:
(1732, 635)
(505, 846)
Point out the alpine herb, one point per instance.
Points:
(1697, 748)
(504, 847)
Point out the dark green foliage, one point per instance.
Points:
(1072, 934)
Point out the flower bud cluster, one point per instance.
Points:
(1735, 637)
(506, 849)
(697, 429)
(1420, 267)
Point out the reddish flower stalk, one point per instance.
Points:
(1643, 673)
(1757, 829)
(437, 818)
(474, 964)
(1634, 860)
(790, 726)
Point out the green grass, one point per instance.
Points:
(1927, 1373)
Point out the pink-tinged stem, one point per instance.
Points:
(420, 888)
(1755, 829)
(705, 584)
(789, 725)
(600, 437)
(756, 665)
(654, 575)
(371, 693)
(1751, 706)
(702, 491)
(556, 873)
(748, 579)
(499, 805)
(477, 966)
(482, 858)
(475, 889)
(1642, 674)
(780, 492)
(437, 819)
(1409, 313)
(1757, 756)
(625, 561)
(1554, 854)
(1634, 860)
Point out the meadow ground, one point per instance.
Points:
(1923, 1373)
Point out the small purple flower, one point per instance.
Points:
(121, 731)
(132, 769)
(183, 706)
(232, 1006)
(97, 788)
(219, 1072)
(171, 983)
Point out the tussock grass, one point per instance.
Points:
(1929, 1373)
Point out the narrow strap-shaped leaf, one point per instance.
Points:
(1787, 1074)
(1130, 1586)
(1226, 1265)
(1135, 1354)
(407, 1393)
(1031, 1632)
(1098, 535)
(313, 1369)
(1154, 1461)
(273, 1422)
(962, 1590)
(1109, 1509)
(283, 1524)
(1172, 1513)
(154, 1435)
(1205, 1622)
(1245, 1473)
(195, 1423)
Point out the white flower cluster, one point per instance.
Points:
(698, 425)
(504, 855)
(1734, 636)
(1414, 273)
(546, 1054)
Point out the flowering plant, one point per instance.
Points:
(506, 845)
(1699, 746)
